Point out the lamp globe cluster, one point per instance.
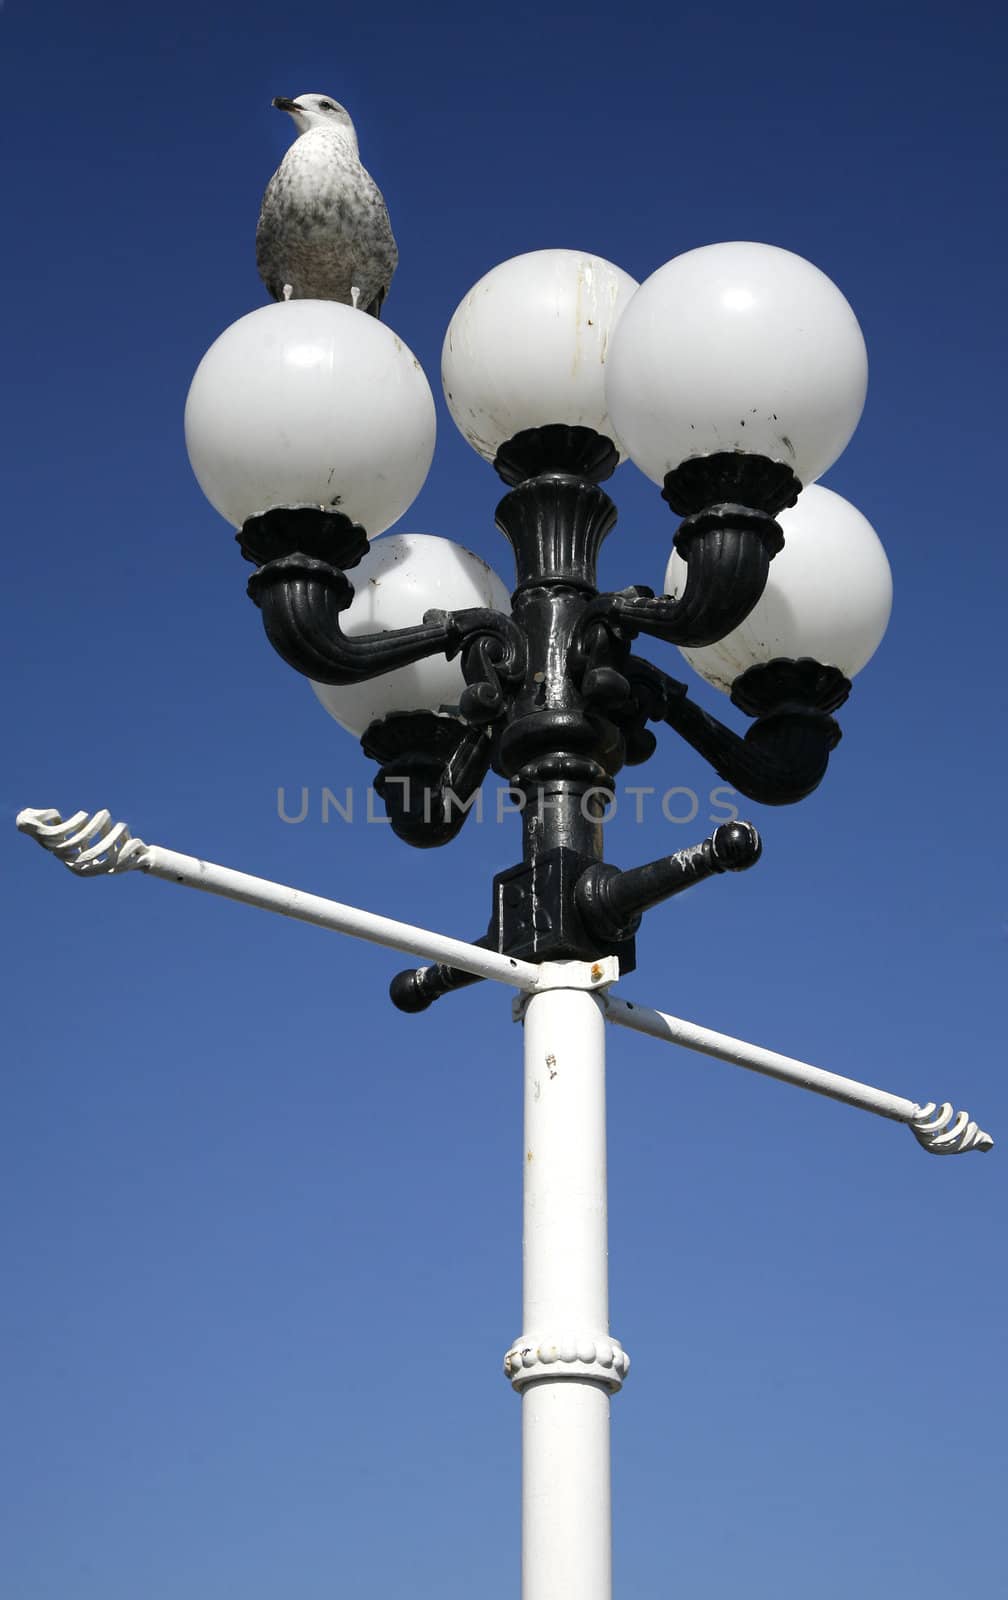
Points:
(732, 377)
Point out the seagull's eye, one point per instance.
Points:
(327, 105)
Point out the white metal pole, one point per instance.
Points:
(565, 1365)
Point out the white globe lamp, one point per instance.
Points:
(736, 347)
(310, 403)
(528, 346)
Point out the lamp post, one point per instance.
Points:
(733, 378)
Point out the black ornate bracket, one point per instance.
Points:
(785, 753)
(301, 588)
(562, 906)
(555, 702)
(728, 537)
(326, 536)
(431, 769)
(559, 447)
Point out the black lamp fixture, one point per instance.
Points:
(733, 377)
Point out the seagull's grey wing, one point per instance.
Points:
(270, 233)
(376, 243)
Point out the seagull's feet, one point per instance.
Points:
(288, 291)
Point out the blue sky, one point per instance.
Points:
(261, 1248)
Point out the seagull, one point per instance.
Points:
(324, 231)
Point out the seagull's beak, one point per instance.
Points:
(283, 104)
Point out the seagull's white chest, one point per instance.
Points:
(319, 168)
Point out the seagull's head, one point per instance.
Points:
(315, 111)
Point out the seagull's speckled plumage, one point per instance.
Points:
(324, 231)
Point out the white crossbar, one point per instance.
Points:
(939, 1129)
(92, 845)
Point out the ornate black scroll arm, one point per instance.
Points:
(728, 537)
(728, 555)
(784, 755)
(431, 771)
(494, 653)
(432, 766)
(301, 600)
(301, 589)
(596, 659)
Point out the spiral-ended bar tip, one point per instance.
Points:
(89, 844)
(942, 1131)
